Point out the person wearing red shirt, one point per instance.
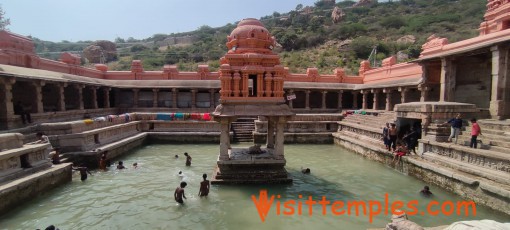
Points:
(475, 131)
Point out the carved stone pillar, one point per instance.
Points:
(237, 78)
(106, 97)
(403, 94)
(6, 104)
(447, 80)
(354, 99)
(500, 97)
(135, 97)
(94, 97)
(155, 100)
(175, 91)
(270, 133)
(61, 97)
(260, 85)
(193, 98)
(364, 103)
(211, 98)
(375, 105)
(424, 89)
(339, 105)
(280, 137)
(268, 80)
(307, 100)
(38, 96)
(389, 103)
(224, 139)
(80, 96)
(245, 85)
(324, 99)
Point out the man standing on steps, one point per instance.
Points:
(456, 124)
(475, 131)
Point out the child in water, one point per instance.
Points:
(179, 193)
(204, 186)
(188, 159)
(83, 172)
(120, 165)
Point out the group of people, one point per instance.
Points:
(405, 145)
(179, 191)
(409, 141)
(456, 126)
(188, 158)
(203, 191)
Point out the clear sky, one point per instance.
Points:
(74, 20)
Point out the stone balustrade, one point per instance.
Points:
(373, 133)
(34, 158)
(10, 141)
(482, 158)
(81, 125)
(301, 126)
(89, 140)
(184, 126)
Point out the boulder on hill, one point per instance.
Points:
(362, 3)
(337, 15)
(407, 39)
(99, 49)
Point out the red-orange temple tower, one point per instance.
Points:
(252, 85)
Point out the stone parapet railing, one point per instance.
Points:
(373, 133)
(304, 123)
(89, 140)
(36, 156)
(11, 141)
(60, 116)
(312, 117)
(478, 157)
(83, 125)
(301, 126)
(183, 126)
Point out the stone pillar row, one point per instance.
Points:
(236, 84)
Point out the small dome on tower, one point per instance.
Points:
(250, 34)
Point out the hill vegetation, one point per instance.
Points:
(308, 36)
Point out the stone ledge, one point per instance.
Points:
(495, 190)
(21, 190)
(358, 126)
(478, 152)
(22, 150)
(482, 191)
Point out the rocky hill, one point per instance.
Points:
(327, 35)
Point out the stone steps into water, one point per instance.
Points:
(495, 135)
(251, 175)
(465, 176)
(492, 175)
(16, 192)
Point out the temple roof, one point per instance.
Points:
(38, 74)
(465, 46)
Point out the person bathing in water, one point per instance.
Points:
(204, 186)
(179, 193)
(188, 159)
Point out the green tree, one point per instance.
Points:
(4, 22)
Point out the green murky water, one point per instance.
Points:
(143, 198)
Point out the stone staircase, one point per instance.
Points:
(243, 129)
(366, 127)
(495, 135)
